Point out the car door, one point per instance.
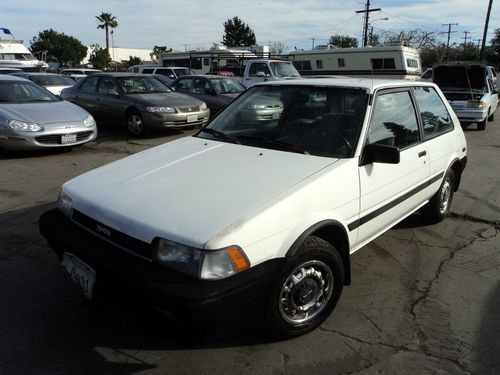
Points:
(390, 192)
(437, 132)
(86, 96)
(110, 102)
(258, 72)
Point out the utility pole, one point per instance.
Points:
(478, 41)
(367, 11)
(449, 33)
(465, 38)
(313, 39)
(485, 30)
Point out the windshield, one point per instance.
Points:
(321, 121)
(24, 92)
(284, 69)
(51, 80)
(226, 85)
(141, 85)
(182, 72)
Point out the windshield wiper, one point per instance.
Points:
(273, 142)
(220, 134)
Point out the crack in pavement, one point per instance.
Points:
(474, 219)
(397, 348)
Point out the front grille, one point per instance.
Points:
(55, 139)
(132, 244)
(188, 109)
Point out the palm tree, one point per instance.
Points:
(107, 22)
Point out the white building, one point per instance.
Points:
(119, 54)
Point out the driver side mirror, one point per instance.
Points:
(378, 153)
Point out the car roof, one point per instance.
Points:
(120, 74)
(82, 70)
(364, 83)
(9, 77)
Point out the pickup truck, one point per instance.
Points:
(257, 71)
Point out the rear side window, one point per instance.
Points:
(89, 84)
(147, 71)
(383, 64)
(436, 119)
(394, 122)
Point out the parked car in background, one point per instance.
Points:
(140, 100)
(264, 70)
(469, 89)
(55, 83)
(216, 91)
(10, 70)
(171, 73)
(256, 221)
(33, 118)
(78, 74)
(427, 75)
(76, 77)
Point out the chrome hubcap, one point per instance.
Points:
(444, 198)
(135, 124)
(305, 292)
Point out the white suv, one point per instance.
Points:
(252, 218)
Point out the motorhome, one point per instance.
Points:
(390, 61)
(14, 54)
(218, 58)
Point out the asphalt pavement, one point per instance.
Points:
(425, 299)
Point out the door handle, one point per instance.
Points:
(422, 153)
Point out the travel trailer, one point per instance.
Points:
(14, 54)
(399, 62)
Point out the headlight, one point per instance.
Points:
(89, 122)
(65, 203)
(24, 126)
(211, 264)
(161, 109)
(476, 104)
(203, 106)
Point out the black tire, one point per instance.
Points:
(491, 117)
(439, 205)
(321, 281)
(135, 124)
(482, 125)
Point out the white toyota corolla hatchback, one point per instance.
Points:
(258, 219)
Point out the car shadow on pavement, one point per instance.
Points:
(50, 329)
(487, 341)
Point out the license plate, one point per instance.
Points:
(68, 138)
(192, 118)
(80, 272)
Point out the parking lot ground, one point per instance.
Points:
(425, 299)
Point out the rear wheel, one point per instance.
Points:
(439, 205)
(135, 124)
(307, 290)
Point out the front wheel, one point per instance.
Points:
(439, 205)
(492, 117)
(307, 290)
(135, 124)
(482, 124)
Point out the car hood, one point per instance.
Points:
(460, 77)
(172, 99)
(187, 190)
(43, 113)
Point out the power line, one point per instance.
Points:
(367, 11)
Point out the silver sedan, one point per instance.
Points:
(33, 118)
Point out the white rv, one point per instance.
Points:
(399, 62)
(14, 54)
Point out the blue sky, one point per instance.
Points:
(195, 24)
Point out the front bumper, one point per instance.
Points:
(242, 297)
(471, 115)
(37, 141)
(175, 120)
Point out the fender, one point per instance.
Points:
(332, 228)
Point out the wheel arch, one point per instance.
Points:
(335, 234)
(457, 166)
